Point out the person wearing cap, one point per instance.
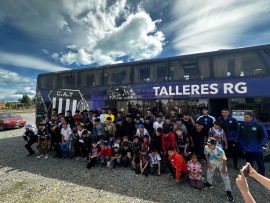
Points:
(127, 154)
(116, 156)
(109, 114)
(105, 155)
(99, 129)
(43, 140)
(216, 159)
(77, 116)
(56, 139)
(66, 140)
(121, 129)
(252, 137)
(30, 137)
(206, 119)
(141, 132)
(168, 140)
(148, 125)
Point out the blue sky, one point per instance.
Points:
(46, 35)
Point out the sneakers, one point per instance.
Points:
(85, 159)
(40, 156)
(46, 156)
(207, 185)
(229, 196)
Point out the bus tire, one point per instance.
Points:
(266, 151)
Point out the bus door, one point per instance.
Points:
(216, 105)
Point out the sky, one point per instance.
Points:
(54, 35)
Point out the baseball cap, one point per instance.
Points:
(211, 141)
(28, 126)
(141, 126)
(116, 145)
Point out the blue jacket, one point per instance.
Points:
(230, 127)
(252, 136)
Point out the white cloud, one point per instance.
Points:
(28, 62)
(13, 86)
(211, 26)
(84, 32)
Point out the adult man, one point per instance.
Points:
(121, 129)
(206, 120)
(30, 138)
(252, 136)
(230, 127)
(43, 140)
(131, 130)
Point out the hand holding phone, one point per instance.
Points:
(245, 170)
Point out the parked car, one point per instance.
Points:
(10, 120)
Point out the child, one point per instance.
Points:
(118, 141)
(156, 167)
(143, 167)
(168, 140)
(146, 143)
(101, 142)
(127, 154)
(182, 142)
(218, 133)
(195, 171)
(105, 155)
(177, 165)
(215, 158)
(111, 141)
(116, 156)
(136, 147)
(93, 155)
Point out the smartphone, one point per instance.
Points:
(246, 171)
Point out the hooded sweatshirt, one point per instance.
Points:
(252, 136)
(230, 127)
(179, 163)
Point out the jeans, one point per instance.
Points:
(258, 157)
(65, 149)
(154, 168)
(104, 160)
(233, 150)
(116, 162)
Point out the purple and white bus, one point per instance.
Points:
(237, 79)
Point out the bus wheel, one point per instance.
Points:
(266, 150)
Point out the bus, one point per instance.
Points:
(237, 79)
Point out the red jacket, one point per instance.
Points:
(179, 163)
(106, 152)
(168, 141)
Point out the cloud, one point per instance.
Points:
(85, 32)
(211, 26)
(28, 62)
(13, 86)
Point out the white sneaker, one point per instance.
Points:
(40, 156)
(85, 159)
(46, 156)
(78, 158)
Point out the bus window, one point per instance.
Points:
(90, 78)
(117, 76)
(156, 72)
(259, 106)
(240, 64)
(67, 80)
(47, 82)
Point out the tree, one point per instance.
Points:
(25, 100)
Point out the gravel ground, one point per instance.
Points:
(27, 179)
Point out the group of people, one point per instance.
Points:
(151, 144)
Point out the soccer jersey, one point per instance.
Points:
(216, 156)
(218, 135)
(66, 133)
(154, 159)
